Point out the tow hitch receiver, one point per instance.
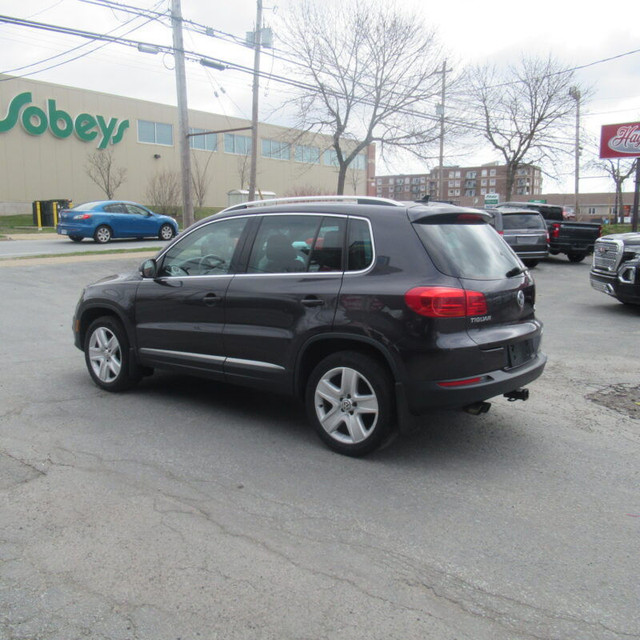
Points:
(477, 408)
(517, 394)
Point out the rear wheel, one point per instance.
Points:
(106, 352)
(166, 232)
(350, 403)
(102, 234)
(576, 257)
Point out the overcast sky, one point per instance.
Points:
(495, 30)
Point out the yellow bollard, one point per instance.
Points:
(55, 214)
(39, 215)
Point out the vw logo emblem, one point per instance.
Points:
(520, 298)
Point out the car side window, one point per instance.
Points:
(131, 208)
(205, 251)
(283, 243)
(360, 245)
(113, 208)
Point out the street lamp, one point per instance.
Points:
(574, 93)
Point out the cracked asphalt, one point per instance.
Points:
(188, 510)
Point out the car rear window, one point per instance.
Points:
(467, 250)
(523, 221)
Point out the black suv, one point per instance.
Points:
(371, 311)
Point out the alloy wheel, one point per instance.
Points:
(346, 405)
(105, 355)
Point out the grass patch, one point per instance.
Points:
(608, 229)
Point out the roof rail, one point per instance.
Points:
(314, 199)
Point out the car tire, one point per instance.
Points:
(166, 232)
(102, 234)
(576, 257)
(530, 263)
(350, 402)
(106, 353)
(76, 238)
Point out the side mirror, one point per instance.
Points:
(149, 268)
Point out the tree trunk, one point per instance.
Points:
(342, 176)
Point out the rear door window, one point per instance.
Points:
(298, 243)
(467, 250)
(523, 221)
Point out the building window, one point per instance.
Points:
(379, 180)
(331, 158)
(471, 175)
(237, 144)
(204, 141)
(310, 155)
(359, 162)
(155, 132)
(276, 149)
(492, 172)
(492, 182)
(470, 192)
(484, 173)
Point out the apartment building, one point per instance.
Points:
(462, 185)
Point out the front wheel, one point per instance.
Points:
(576, 257)
(166, 232)
(350, 403)
(102, 234)
(106, 352)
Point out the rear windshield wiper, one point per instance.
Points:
(516, 271)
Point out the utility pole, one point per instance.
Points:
(183, 115)
(574, 92)
(440, 112)
(257, 41)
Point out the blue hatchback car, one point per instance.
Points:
(109, 219)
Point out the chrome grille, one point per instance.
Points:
(607, 255)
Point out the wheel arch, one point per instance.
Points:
(95, 311)
(319, 347)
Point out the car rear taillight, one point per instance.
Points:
(555, 230)
(82, 216)
(599, 231)
(445, 302)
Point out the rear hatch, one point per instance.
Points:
(501, 290)
(525, 231)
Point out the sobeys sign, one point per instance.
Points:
(36, 121)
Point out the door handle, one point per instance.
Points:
(312, 301)
(211, 299)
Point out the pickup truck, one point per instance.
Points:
(616, 267)
(576, 239)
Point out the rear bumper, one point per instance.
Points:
(423, 396)
(532, 255)
(66, 229)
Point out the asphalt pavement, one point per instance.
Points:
(194, 510)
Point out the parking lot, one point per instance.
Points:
(187, 509)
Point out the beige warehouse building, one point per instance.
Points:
(49, 132)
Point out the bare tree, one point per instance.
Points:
(200, 179)
(244, 167)
(101, 168)
(368, 71)
(164, 192)
(619, 171)
(525, 112)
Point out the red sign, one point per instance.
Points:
(620, 140)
